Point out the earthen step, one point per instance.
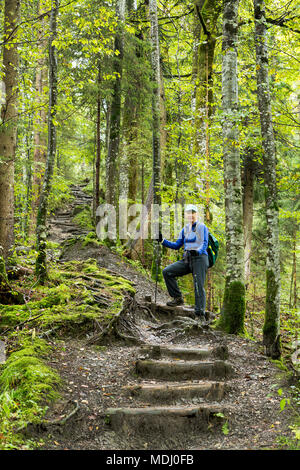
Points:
(170, 393)
(165, 420)
(158, 351)
(184, 370)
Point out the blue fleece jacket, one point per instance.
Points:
(191, 241)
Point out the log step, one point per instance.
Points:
(165, 420)
(180, 310)
(170, 393)
(156, 352)
(183, 370)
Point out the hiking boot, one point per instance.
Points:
(175, 302)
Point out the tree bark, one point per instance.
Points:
(40, 130)
(248, 186)
(233, 313)
(41, 261)
(98, 144)
(8, 127)
(156, 150)
(271, 329)
(155, 63)
(111, 194)
(205, 19)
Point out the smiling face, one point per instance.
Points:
(191, 216)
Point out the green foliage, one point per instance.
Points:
(84, 219)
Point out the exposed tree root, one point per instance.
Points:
(44, 424)
(123, 320)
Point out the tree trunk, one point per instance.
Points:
(8, 127)
(40, 140)
(248, 186)
(271, 329)
(111, 194)
(205, 19)
(41, 265)
(155, 63)
(98, 144)
(156, 158)
(233, 313)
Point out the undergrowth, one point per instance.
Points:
(77, 296)
(27, 386)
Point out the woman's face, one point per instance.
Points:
(191, 217)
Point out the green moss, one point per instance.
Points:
(84, 219)
(271, 331)
(27, 385)
(271, 326)
(67, 302)
(91, 238)
(234, 306)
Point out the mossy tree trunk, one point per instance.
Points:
(271, 329)
(8, 125)
(41, 261)
(233, 312)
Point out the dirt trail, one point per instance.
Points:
(182, 387)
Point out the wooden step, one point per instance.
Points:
(171, 393)
(158, 351)
(166, 420)
(183, 370)
(180, 310)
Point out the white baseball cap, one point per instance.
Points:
(191, 207)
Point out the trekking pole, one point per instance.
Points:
(156, 273)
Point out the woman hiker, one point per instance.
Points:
(194, 237)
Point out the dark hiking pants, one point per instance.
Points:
(198, 267)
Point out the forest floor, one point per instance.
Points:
(93, 377)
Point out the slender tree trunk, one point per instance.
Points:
(8, 126)
(41, 265)
(248, 186)
(156, 150)
(155, 63)
(271, 329)
(233, 313)
(111, 194)
(40, 126)
(205, 19)
(293, 287)
(98, 144)
(132, 110)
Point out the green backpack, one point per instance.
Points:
(212, 249)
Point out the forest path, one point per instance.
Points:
(181, 386)
(61, 225)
